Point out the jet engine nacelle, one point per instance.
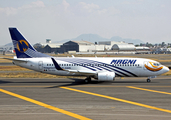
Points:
(106, 76)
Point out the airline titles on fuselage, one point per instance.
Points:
(123, 61)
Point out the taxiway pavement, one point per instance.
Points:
(63, 99)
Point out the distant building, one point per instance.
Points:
(7, 48)
(78, 46)
(123, 47)
(163, 50)
(48, 41)
(38, 45)
(85, 46)
(109, 42)
(119, 46)
(142, 50)
(48, 47)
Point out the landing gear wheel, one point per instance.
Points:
(87, 80)
(148, 80)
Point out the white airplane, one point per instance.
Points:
(102, 69)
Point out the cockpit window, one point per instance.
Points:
(156, 64)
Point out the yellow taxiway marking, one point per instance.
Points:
(81, 86)
(62, 86)
(25, 86)
(116, 86)
(45, 105)
(149, 90)
(118, 99)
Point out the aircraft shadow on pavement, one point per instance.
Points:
(81, 82)
(74, 82)
(3, 82)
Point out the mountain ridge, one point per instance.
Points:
(97, 38)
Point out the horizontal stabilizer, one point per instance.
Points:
(14, 59)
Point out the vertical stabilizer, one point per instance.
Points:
(22, 47)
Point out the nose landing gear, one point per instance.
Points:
(148, 80)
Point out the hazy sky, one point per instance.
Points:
(37, 20)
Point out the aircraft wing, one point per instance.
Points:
(73, 71)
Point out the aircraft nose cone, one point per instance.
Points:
(166, 69)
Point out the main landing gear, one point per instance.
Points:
(149, 78)
(87, 80)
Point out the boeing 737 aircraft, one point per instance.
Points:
(102, 69)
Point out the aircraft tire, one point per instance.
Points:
(87, 80)
(148, 80)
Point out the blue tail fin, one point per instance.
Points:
(22, 47)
